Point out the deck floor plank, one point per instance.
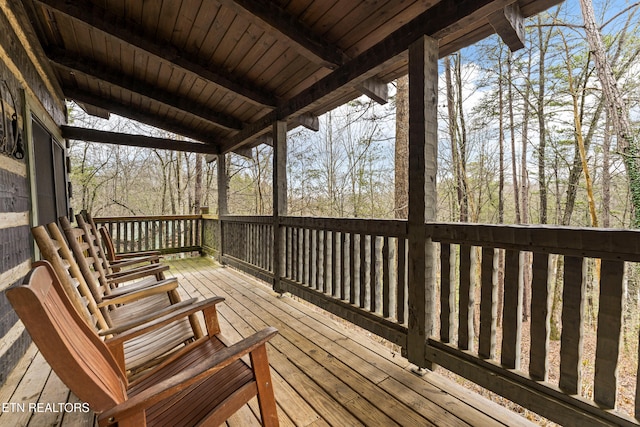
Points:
(27, 392)
(471, 408)
(298, 348)
(325, 373)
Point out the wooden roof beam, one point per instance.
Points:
(308, 120)
(509, 25)
(273, 19)
(375, 89)
(98, 71)
(93, 135)
(95, 111)
(93, 15)
(134, 114)
(444, 17)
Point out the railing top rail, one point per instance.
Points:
(378, 227)
(613, 244)
(144, 218)
(251, 219)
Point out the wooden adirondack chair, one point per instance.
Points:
(114, 314)
(205, 383)
(83, 243)
(112, 255)
(105, 248)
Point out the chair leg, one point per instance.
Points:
(266, 398)
(136, 420)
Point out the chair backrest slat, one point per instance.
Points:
(88, 259)
(82, 294)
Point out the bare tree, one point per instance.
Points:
(617, 109)
(401, 193)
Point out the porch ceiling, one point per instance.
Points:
(221, 71)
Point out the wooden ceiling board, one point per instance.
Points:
(248, 40)
(167, 22)
(204, 20)
(247, 62)
(330, 19)
(115, 56)
(380, 26)
(133, 10)
(361, 21)
(75, 36)
(284, 66)
(297, 8)
(48, 24)
(221, 26)
(185, 19)
(244, 111)
(121, 7)
(140, 60)
(228, 44)
(148, 22)
(180, 82)
(319, 11)
(292, 88)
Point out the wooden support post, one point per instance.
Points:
(223, 208)
(279, 201)
(423, 146)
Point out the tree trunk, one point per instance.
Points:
(527, 258)
(618, 111)
(542, 141)
(197, 198)
(452, 127)
(500, 188)
(606, 175)
(580, 144)
(514, 170)
(401, 194)
(464, 205)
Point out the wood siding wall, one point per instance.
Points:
(20, 79)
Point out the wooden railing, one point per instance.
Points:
(468, 299)
(247, 244)
(357, 269)
(346, 266)
(167, 234)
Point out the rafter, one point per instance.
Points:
(92, 135)
(375, 89)
(95, 111)
(272, 18)
(446, 15)
(509, 24)
(134, 114)
(308, 120)
(63, 60)
(103, 20)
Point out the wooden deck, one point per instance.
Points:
(324, 373)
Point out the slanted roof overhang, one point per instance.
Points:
(220, 72)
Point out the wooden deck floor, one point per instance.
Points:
(324, 373)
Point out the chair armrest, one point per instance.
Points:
(144, 319)
(138, 254)
(187, 377)
(128, 276)
(142, 284)
(206, 305)
(128, 262)
(159, 288)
